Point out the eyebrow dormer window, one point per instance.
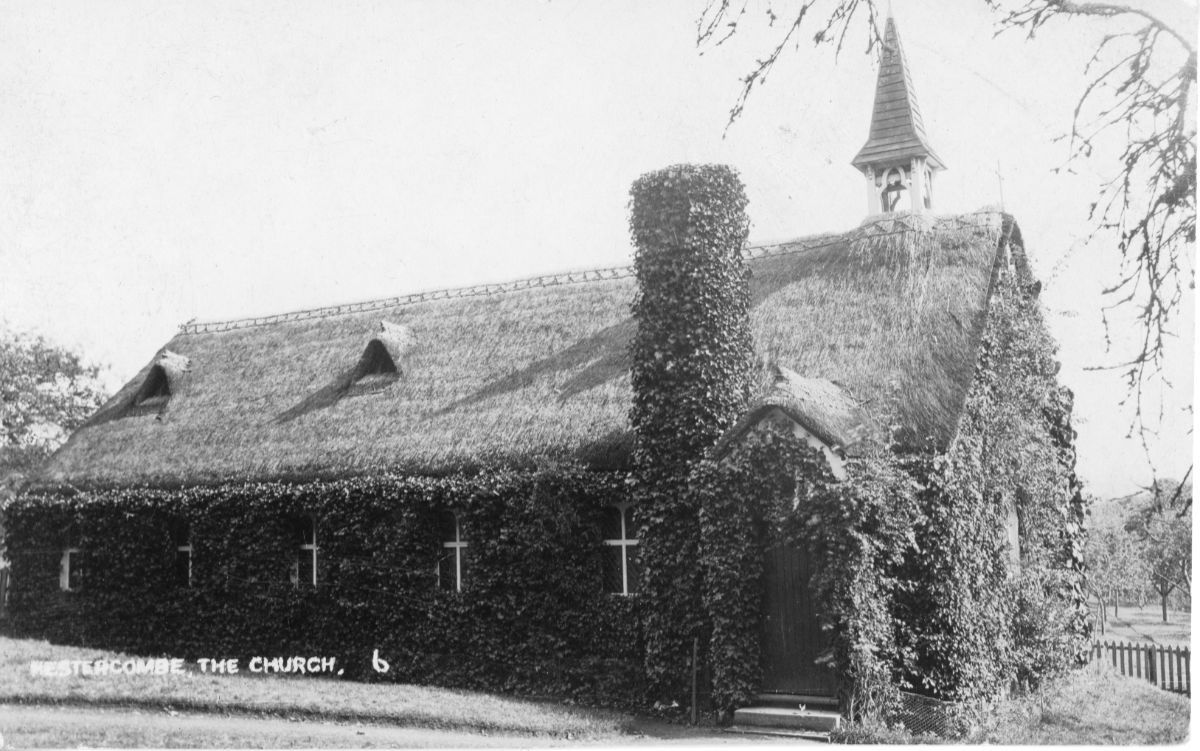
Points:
(382, 363)
(375, 370)
(155, 391)
(377, 367)
(160, 384)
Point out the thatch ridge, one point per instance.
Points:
(895, 224)
(530, 373)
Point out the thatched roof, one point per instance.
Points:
(534, 371)
(823, 408)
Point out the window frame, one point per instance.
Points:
(64, 568)
(624, 543)
(306, 549)
(1013, 533)
(180, 532)
(186, 548)
(458, 545)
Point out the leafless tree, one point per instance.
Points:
(1139, 93)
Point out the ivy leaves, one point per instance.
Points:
(914, 582)
(533, 617)
(690, 372)
(692, 352)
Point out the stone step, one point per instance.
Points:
(821, 720)
(805, 735)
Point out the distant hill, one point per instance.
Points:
(1114, 512)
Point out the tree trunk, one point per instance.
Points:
(1164, 604)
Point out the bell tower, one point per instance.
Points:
(897, 160)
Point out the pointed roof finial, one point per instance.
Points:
(897, 130)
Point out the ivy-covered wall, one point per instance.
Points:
(776, 489)
(533, 616)
(986, 623)
(915, 583)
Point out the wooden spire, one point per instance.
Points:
(897, 131)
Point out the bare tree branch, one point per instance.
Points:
(719, 21)
(1140, 89)
(1149, 205)
(1037, 12)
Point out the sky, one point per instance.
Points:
(164, 161)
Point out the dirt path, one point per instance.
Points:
(42, 726)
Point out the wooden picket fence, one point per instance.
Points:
(1169, 668)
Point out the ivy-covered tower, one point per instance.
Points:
(690, 364)
(897, 160)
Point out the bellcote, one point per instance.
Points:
(897, 159)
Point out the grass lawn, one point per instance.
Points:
(75, 727)
(1090, 707)
(1146, 625)
(286, 696)
(1094, 706)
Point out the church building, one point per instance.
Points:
(450, 480)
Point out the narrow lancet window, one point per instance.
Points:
(452, 562)
(71, 568)
(304, 566)
(181, 541)
(620, 552)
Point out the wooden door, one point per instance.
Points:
(792, 638)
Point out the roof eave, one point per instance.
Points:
(752, 418)
(872, 154)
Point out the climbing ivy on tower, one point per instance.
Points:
(690, 371)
